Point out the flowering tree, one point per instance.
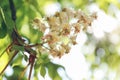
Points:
(57, 34)
(33, 37)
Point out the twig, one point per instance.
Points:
(9, 62)
(23, 72)
(13, 10)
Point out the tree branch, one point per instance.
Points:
(13, 10)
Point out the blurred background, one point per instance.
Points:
(97, 54)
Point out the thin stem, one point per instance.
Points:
(37, 44)
(34, 45)
(23, 72)
(6, 49)
(9, 62)
(30, 70)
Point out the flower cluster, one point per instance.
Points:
(60, 30)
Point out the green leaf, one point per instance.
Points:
(0, 77)
(43, 59)
(25, 57)
(57, 77)
(52, 71)
(42, 70)
(2, 14)
(3, 26)
(37, 65)
(18, 69)
(3, 30)
(18, 60)
(31, 51)
(17, 72)
(19, 48)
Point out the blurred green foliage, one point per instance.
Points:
(27, 10)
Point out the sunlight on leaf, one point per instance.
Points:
(42, 71)
(2, 14)
(3, 61)
(52, 71)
